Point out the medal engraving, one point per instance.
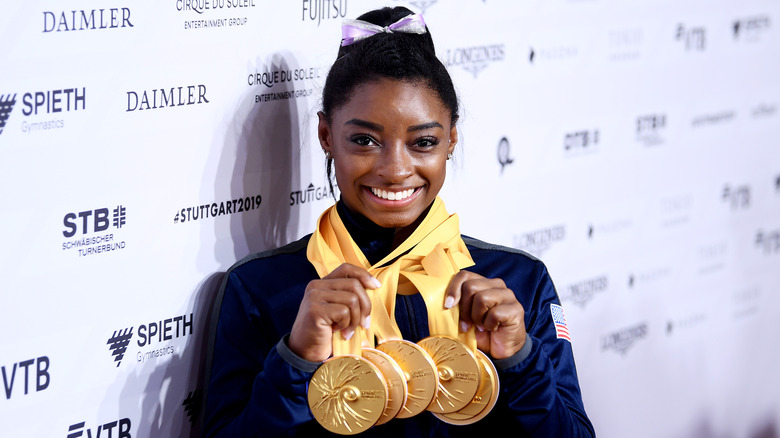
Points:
(347, 395)
(419, 371)
(458, 372)
(484, 400)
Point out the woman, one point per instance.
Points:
(387, 128)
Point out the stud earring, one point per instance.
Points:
(449, 156)
(328, 155)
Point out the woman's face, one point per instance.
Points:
(389, 144)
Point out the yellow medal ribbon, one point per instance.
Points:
(426, 262)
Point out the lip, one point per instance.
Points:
(389, 203)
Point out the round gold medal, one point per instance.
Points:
(347, 394)
(420, 372)
(483, 401)
(395, 379)
(458, 372)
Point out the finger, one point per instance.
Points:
(347, 270)
(503, 315)
(366, 280)
(346, 303)
(472, 312)
(482, 301)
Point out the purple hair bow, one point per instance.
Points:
(356, 30)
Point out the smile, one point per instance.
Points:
(392, 196)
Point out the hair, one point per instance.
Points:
(400, 56)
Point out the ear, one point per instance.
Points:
(323, 133)
(453, 138)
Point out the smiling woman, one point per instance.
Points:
(389, 144)
(386, 320)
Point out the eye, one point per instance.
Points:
(426, 142)
(364, 140)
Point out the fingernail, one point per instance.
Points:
(347, 335)
(367, 322)
(376, 283)
(449, 302)
(464, 326)
(480, 328)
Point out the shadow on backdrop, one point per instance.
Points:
(260, 156)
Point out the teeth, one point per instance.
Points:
(392, 196)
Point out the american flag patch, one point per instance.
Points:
(560, 322)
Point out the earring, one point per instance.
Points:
(449, 156)
(328, 155)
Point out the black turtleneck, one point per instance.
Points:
(376, 242)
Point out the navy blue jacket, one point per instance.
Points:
(257, 386)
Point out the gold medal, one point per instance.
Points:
(347, 395)
(395, 379)
(420, 372)
(485, 399)
(458, 372)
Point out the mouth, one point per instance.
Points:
(391, 195)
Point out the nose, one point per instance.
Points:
(395, 163)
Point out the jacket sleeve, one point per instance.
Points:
(539, 385)
(253, 387)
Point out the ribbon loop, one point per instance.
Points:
(353, 31)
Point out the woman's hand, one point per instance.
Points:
(335, 302)
(493, 308)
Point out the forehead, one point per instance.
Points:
(394, 100)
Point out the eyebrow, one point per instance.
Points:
(378, 127)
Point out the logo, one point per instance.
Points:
(555, 53)
(94, 19)
(503, 154)
(154, 332)
(686, 322)
(206, 211)
(693, 39)
(309, 195)
(323, 10)
(584, 291)
(712, 257)
(614, 226)
(207, 6)
(422, 5)
(118, 344)
(272, 78)
(622, 340)
(713, 118)
(43, 104)
(166, 98)
(39, 374)
(536, 242)
(581, 142)
(675, 210)
(100, 222)
(192, 405)
(624, 44)
(475, 59)
(738, 198)
(644, 277)
(6, 106)
(746, 301)
(122, 427)
(763, 110)
(751, 29)
(649, 128)
(768, 241)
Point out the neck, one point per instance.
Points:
(375, 241)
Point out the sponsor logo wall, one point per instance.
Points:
(146, 148)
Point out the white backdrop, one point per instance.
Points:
(147, 146)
